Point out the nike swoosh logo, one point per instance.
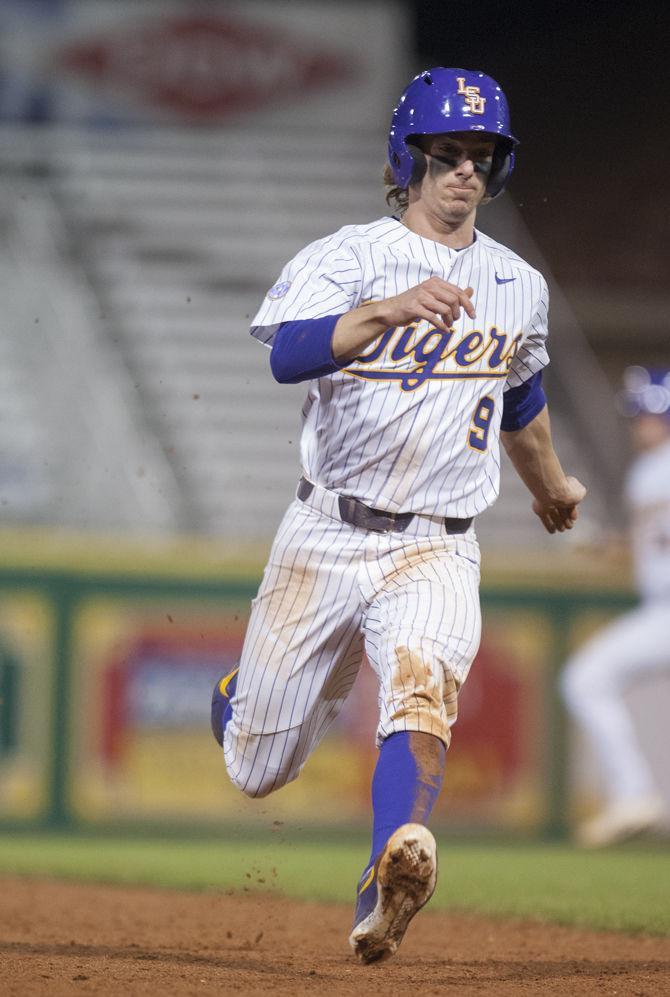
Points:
(504, 280)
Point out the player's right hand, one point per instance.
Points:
(434, 300)
(561, 511)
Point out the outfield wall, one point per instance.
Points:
(108, 653)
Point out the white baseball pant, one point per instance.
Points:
(594, 682)
(331, 592)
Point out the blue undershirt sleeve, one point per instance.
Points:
(302, 350)
(523, 403)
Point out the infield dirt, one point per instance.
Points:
(68, 938)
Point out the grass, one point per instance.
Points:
(625, 889)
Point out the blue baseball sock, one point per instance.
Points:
(406, 783)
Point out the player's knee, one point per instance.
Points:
(255, 786)
(256, 782)
(582, 678)
(251, 762)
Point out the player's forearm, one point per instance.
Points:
(357, 329)
(434, 300)
(532, 453)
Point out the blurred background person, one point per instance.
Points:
(634, 646)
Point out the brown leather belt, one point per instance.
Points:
(358, 514)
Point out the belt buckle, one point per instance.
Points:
(376, 520)
(358, 514)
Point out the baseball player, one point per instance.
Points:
(420, 339)
(635, 645)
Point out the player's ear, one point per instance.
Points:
(419, 163)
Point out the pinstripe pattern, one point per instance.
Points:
(422, 631)
(392, 430)
(402, 445)
(330, 591)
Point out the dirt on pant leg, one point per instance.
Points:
(426, 695)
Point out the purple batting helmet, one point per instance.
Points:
(450, 100)
(646, 391)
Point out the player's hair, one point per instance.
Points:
(396, 197)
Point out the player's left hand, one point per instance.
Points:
(560, 513)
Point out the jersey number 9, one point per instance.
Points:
(478, 436)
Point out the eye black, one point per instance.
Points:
(447, 160)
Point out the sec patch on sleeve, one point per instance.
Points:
(279, 290)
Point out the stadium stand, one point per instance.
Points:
(149, 251)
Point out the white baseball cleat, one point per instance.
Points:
(624, 820)
(392, 891)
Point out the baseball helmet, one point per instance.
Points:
(443, 100)
(646, 391)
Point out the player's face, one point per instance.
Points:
(649, 431)
(458, 168)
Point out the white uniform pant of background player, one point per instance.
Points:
(594, 683)
(330, 592)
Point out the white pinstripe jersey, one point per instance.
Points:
(413, 424)
(648, 497)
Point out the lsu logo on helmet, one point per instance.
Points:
(474, 101)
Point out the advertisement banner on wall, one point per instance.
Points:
(141, 748)
(26, 696)
(176, 62)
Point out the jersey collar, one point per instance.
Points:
(416, 246)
